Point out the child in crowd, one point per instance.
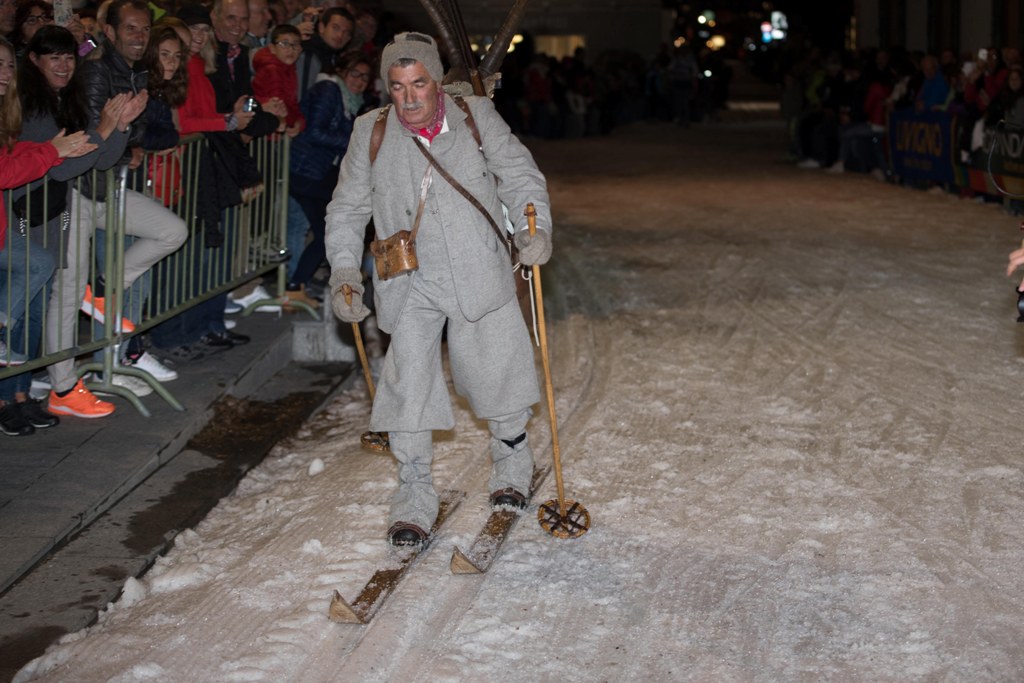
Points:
(276, 75)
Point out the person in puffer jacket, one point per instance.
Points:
(331, 107)
(276, 75)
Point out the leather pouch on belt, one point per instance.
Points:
(395, 255)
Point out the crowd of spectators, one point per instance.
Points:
(837, 106)
(585, 95)
(130, 78)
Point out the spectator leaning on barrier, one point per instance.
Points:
(201, 331)
(1008, 104)
(232, 81)
(463, 281)
(985, 80)
(935, 92)
(233, 78)
(52, 101)
(199, 113)
(276, 76)
(157, 230)
(164, 61)
(25, 269)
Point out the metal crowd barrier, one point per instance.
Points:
(252, 233)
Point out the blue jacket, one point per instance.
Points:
(318, 149)
(160, 130)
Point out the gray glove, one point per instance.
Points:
(357, 310)
(534, 250)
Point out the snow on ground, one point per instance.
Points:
(789, 401)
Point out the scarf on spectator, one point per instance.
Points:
(233, 52)
(351, 102)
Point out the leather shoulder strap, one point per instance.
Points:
(469, 120)
(380, 127)
(502, 235)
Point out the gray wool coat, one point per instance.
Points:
(453, 234)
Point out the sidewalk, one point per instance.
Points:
(127, 470)
(55, 482)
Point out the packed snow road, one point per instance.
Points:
(789, 400)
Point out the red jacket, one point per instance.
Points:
(198, 114)
(874, 102)
(992, 83)
(274, 78)
(28, 161)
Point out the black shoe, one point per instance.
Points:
(406, 534)
(185, 353)
(508, 498)
(315, 291)
(12, 423)
(225, 338)
(32, 412)
(216, 342)
(235, 338)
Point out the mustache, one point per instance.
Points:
(413, 106)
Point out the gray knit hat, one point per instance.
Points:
(418, 46)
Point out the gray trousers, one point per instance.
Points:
(492, 367)
(159, 231)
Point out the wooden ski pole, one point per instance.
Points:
(372, 441)
(572, 520)
(360, 349)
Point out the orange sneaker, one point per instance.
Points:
(95, 306)
(80, 402)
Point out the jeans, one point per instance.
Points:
(25, 268)
(297, 227)
(207, 268)
(312, 196)
(21, 383)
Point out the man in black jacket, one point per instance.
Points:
(233, 78)
(334, 31)
(157, 231)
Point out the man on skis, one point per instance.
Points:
(459, 276)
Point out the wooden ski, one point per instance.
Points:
(384, 580)
(496, 529)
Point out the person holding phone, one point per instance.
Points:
(334, 29)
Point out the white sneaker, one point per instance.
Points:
(132, 384)
(837, 167)
(40, 388)
(149, 363)
(258, 294)
(11, 357)
(809, 163)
